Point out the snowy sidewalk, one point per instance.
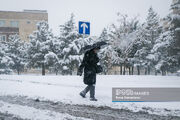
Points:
(65, 89)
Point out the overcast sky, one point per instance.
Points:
(100, 13)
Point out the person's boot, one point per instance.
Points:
(93, 99)
(82, 95)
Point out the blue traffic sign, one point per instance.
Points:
(84, 27)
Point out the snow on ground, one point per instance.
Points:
(66, 89)
(31, 113)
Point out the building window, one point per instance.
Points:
(2, 23)
(14, 23)
(2, 37)
(11, 36)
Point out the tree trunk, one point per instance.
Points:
(121, 69)
(71, 70)
(145, 71)
(124, 72)
(163, 72)
(18, 71)
(43, 69)
(138, 69)
(149, 70)
(132, 70)
(155, 72)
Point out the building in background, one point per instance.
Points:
(22, 23)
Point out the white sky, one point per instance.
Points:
(100, 13)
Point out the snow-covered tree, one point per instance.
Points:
(153, 31)
(175, 28)
(56, 46)
(41, 48)
(71, 44)
(68, 36)
(107, 54)
(166, 53)
(146, 38)
(16, 52)
(123, 35)
(5, 60)
(138, 50)
(160, 52)
(123, 32)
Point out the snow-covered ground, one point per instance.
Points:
(31, 113)
(66, 89)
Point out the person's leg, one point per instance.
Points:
(86, 89)
(92, 93)
(83, 93)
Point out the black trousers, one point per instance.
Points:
(90, 88)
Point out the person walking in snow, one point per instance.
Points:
(89, 64)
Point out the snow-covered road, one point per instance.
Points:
(64, 90)
(26, 108)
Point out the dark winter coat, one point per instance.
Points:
(89, 64)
